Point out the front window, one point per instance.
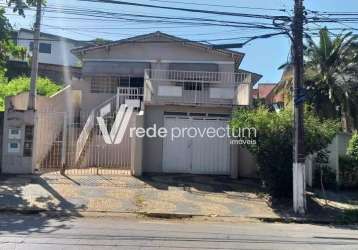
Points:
(131, 81)
(193, 86)
(43, 47)
(109, 84)
(104, 84)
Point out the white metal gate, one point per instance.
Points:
(176, 154)
(57, 135)
(198, 155)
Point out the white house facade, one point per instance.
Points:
(175, 84)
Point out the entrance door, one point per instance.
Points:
(211, 155)
(176, 153)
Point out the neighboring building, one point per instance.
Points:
(266, 93)
(180, 83)
(281, 94)
(275, 97)
(55, 57)
(265, 89)
(53, 49)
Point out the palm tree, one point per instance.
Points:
(285, 85)
(331, 77)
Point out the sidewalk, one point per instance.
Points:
(163, 196)
(169, 195)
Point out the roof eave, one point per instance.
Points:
(233, 54)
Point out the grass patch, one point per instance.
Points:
(139, 200)
(349, 216)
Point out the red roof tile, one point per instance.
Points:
(265, 89)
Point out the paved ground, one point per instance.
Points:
(176, 194)
(40, 232)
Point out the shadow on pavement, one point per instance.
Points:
(203, 183)
(13, 201)
(64, 205)
(26, 224)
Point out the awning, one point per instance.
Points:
(91, 68)
(208, 67)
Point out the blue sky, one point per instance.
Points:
(262, 56)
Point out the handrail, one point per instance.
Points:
(200, 76)
(84, 135)
(87, 128)
(131, 93)
(60, 91)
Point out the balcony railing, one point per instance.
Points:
(200, 76)
(196, 87)
(130, 92)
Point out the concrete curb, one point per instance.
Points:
(173, 216)
(22, 210)
(303, 220)
(169, 215)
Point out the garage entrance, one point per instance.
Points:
(199, 154)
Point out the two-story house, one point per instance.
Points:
(55, 57)
(180, 84)
(185, 84)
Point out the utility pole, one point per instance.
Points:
(34, 64)
(299, 182)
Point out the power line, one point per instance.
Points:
(98, 30)
(335, 20)
(218, 5)
(250, 38)
(159, 19)
(184, 9)
(113, 20)
(96, 12)
(95, 15)
(240, 45)
(190, 22)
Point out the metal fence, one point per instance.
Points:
(57, 146)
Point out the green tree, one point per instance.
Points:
(331, 76)
(44, 87)
(7, 46)
(352, 149)
(100, 41)
(273, 148)
(20, 5)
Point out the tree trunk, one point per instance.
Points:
(346, 118)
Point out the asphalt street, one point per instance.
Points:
(44, 232)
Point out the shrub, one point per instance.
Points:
(352, 149)
(348, 164)
(44, 86)
(325, 176)
(273, 148)
(348, 171)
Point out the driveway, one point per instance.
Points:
(161, 194)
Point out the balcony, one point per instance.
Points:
(196, 88)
